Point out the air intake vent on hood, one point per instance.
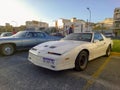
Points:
(52, 46)
(46, 46)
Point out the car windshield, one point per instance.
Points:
(79, 37)
(20, 34)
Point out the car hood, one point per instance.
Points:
(60, 47)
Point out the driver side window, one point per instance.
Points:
(41, 35)
(97, 36)
(29, 35)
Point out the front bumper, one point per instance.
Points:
(56, 63)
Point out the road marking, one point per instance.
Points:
(96, 74)
(115, 54)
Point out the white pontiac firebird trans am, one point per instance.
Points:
(73, 51)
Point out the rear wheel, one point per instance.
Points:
(81, 61)
(108, 51)
(7, 49)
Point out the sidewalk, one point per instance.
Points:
(115, 53)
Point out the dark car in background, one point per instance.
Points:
(109, 35)
(5, 34)
(23, 40)
(57, 34)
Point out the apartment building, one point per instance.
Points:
(64, 24)
(116, 23)
(107, 23)
(36, 25)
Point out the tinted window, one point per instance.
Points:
(98, 36)
(30, 34)
(40, 34)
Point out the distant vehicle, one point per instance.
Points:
(5, 34)
(73, 51)
(109, 35)
(57, 34)
(23, 40)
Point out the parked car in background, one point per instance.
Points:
(5, 34)
(57, 34)
(110, 35)
(23, 40)
(73, 51)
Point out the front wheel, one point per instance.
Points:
(81, 61)
(7, 49)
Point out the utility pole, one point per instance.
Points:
(89, 19)
(102, 24)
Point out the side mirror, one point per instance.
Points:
(95, 41)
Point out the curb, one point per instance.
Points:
(115, 53)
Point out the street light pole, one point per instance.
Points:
(89, 18)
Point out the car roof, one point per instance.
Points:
(31, 31)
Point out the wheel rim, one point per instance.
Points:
(8, 50)
(83, 61)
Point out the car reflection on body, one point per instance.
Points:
(73, 51)
(23, 40)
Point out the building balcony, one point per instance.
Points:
(116, 27)
(116, 18)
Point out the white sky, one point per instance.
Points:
(16, 12)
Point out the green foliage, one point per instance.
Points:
(97, 28)
(53, 30)
(10, 28)
(116, 46)
(2, 29)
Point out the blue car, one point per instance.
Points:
(23, 40)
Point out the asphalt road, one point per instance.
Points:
(17, 73)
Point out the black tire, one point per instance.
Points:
(7, 49)
(81, 61)
(108, 51)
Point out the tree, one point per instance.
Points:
(54, 30)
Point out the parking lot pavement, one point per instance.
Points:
(17, 73)
(107, 74)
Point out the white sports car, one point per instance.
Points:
(73, 51)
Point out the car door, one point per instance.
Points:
(30, 40)
(99, 45)
(41, 37)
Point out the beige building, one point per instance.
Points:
(79, 25)
(116, 20)
(36, 25)
(64, 24)
(61, 23)
(107, 23)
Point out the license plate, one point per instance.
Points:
(48, 60)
